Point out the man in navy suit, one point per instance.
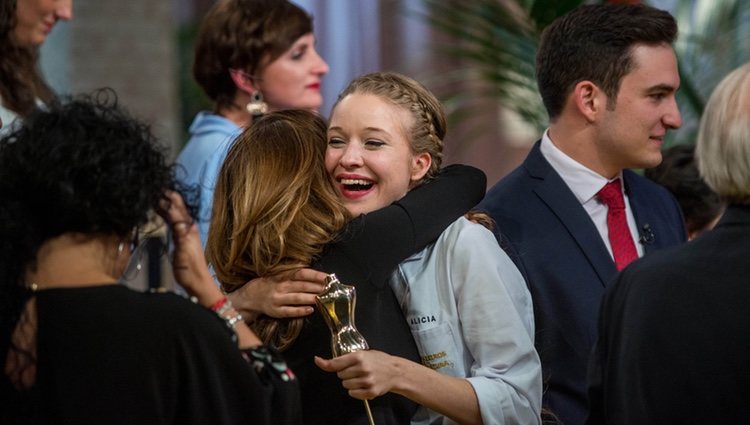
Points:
(673, 331)
(608, 76)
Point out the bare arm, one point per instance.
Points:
(369, 374)
(279, 296)
(189, 263)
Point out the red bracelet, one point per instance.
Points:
(218, 304)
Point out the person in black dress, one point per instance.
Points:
(276, 210)
(77, 181)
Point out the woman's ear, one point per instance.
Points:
(420, 166)
(243, 81)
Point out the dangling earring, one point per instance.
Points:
(132, 270)
(257, 106)
(136, 254)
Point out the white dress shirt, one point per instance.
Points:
(585, 184)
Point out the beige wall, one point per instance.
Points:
(129, 46)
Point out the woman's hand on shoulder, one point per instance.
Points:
(281, 296)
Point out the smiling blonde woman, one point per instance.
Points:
(466, 303)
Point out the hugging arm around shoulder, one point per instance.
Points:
(433, 206)
(387, 236)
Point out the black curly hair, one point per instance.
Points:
(82, 165)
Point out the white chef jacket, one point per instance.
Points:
(471, 316)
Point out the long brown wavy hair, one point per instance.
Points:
(274, 208)
(21, 84)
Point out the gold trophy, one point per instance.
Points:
(336, 304)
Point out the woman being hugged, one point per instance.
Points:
(276, 210)
(251, 57)
(466, 303)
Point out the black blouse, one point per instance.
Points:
(111, 355)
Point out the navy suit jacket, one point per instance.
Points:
(567, 265)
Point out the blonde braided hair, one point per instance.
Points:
(426, 135)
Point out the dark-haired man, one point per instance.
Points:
(573, 211)
(673, 342)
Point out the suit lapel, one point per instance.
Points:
(562, 204)
(643, 212)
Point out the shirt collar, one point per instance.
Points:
(582, 181)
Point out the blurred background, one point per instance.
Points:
(476, 55)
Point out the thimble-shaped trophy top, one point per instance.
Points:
(336, 304)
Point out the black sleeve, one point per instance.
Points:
(599, 357)
(280, 398)
(380, 240)
(221, 384)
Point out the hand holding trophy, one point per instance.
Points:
(336, 304)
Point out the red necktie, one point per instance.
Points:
(623, 247)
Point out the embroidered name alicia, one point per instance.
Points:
(422, 319)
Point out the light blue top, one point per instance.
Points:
(8, 118)
(200, 160)
(472, 317)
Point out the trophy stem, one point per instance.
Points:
(336, 305)
(369, 412)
